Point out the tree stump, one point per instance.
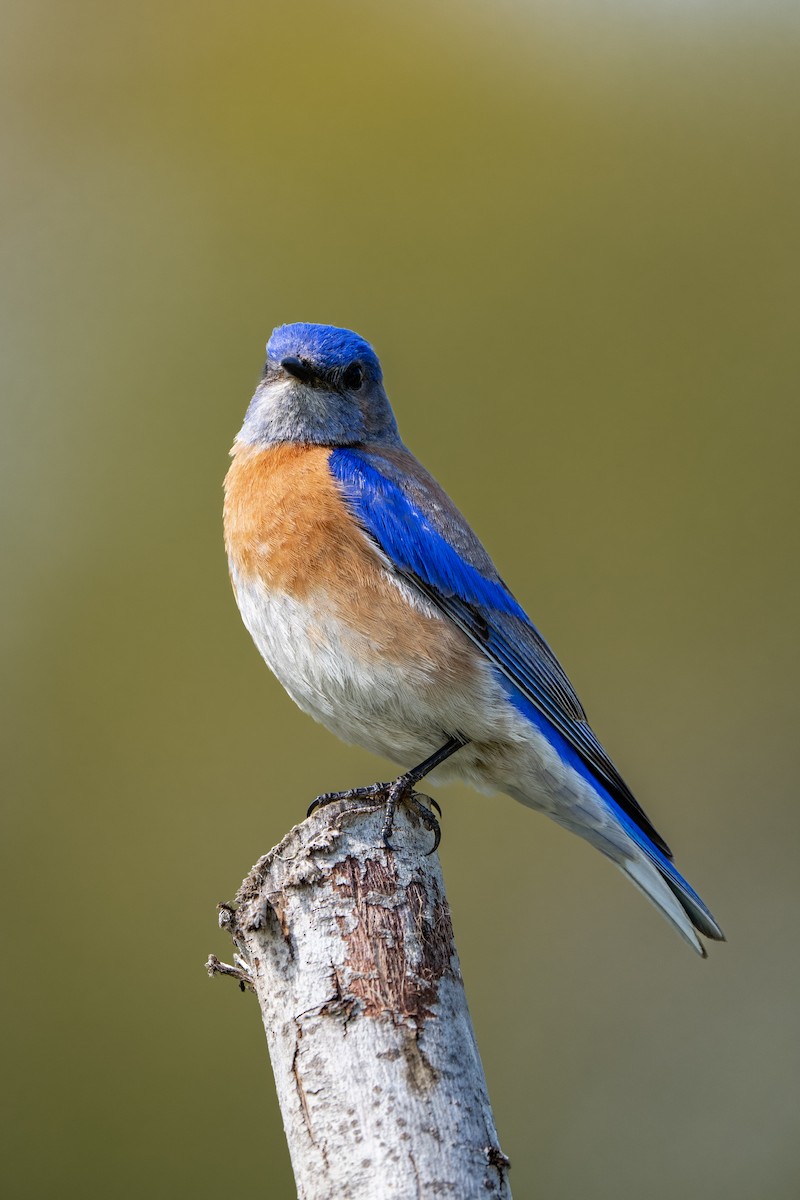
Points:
(349, 948)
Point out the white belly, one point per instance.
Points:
(405, 713)
(401, 711)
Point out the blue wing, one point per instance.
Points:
(431, 546)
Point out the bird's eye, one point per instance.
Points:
(353, 377)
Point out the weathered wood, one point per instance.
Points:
(350, 950)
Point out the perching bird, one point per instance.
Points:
(383, 616)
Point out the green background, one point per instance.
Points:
(571, 232)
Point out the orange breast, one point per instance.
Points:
(284, 518)
(287, 525)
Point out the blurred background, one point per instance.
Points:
(571, 232)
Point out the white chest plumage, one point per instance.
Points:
(337, 674)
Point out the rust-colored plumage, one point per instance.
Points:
(287, 526)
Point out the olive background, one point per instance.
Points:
(571, 233)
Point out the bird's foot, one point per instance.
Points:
(375, 791)
(398, 791)
(414, 802)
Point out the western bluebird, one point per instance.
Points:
(383, 616)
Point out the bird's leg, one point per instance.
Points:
(400, 790)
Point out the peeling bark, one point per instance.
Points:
(350, 951)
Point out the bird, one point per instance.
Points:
(384, 618)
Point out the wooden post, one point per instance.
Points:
(349, 949)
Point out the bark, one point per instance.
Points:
(349, 948)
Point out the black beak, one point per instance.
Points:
(296, 367)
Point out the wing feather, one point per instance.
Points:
(462, 583)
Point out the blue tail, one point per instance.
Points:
(650, 881)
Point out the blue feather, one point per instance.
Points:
(697, 910)
(409, 539)
(480, 605)
(325, 345)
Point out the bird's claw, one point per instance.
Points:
(426, 816)
(400, 791)
(412, 799)
(361, 793)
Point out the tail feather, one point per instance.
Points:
(657, 877)
(642, 860)
(697, 912)
(648, 880)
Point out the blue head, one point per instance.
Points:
(322, 385)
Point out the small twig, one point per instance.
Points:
(215, 967)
